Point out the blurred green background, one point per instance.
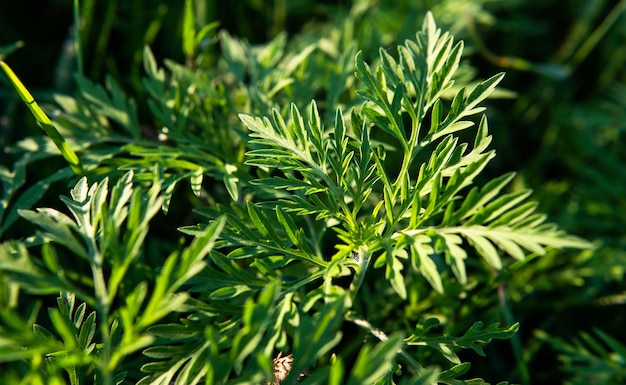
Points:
(564, 130)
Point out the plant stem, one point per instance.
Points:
(516, 343)
(103, 304)
(364, 256)
(77, 45)
(597, 34)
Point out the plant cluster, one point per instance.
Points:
(346, 235)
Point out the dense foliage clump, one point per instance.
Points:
(323, 208)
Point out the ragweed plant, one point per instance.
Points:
(392, 186)
(104, 237)
(327, 225)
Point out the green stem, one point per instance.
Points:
(105, 353)
(77, 45)
(103, 304)
(363, 255)
(597, 34)
(516, 342)
(412, 147)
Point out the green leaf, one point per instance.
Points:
(262, 223)
(421, 250)
(230, 181)
(394, 272)
(174, 332)
(15, 259)
(64, 328)
(87, 332)
(57, 227)
(473, 338)
(316, 335)
(455, 256)
(177, 271)
(66, 151)
(372, 364)
(12, 181)
(255, 323)
(485, 248)
(289, 226)
(454, 372)
(115, 106)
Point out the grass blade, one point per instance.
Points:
(41, 117)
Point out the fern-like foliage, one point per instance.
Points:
(392, 185)
(105, 236)
(388, 184)
(596, 358)
(423, 210)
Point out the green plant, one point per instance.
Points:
(590, 359)
(105, 237)
(330, 225)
